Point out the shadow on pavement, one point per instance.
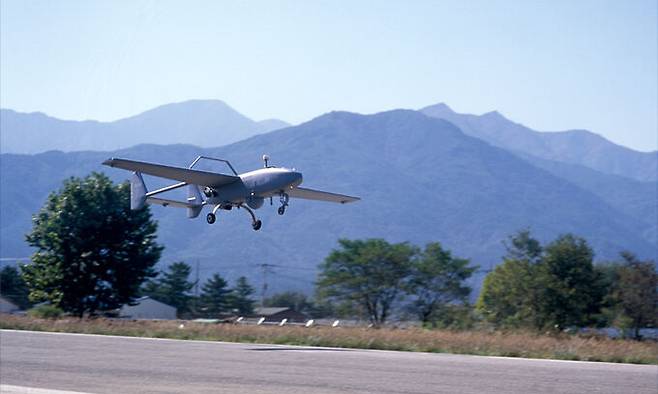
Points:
(298, 349)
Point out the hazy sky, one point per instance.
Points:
(550, 65)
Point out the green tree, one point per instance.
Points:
(291, 299)
(92, 252)
(13, 287)
(173, 287)
(241, 297)
(366, 275)
(436, 281)
(610, 313)
(523, 247)
(566, 282)
(215, 297)
(506, 293)
(509, 294)
(636, 293)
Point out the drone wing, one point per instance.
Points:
(310, 194)
(195, 177)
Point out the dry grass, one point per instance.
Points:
(513, 344)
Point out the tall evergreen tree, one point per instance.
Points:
(13, 287)
(92, 251)
(216, 297)
(173, 287)
(522, 246)
(241, 297)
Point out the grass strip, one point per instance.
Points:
(486, 343)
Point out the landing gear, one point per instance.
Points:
(212, 217)
(255, 223)
(283, 198)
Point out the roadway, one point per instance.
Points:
(104, 364)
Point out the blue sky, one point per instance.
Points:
(551, 65)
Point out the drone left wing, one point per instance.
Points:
(195, 177)
(310, 194)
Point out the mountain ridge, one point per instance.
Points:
(420, 179)
(575, 146)
(198, 122)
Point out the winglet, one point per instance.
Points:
(137, 191)
(195, 200)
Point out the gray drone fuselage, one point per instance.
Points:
(255, 186)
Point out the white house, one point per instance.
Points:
(148, 308)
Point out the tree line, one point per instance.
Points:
(559, 286)
(92, 253)
(553, 286)
(173, 287)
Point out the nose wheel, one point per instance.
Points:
(211, 218)
(256, 225)
(283, 198)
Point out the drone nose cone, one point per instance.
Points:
(296, 177)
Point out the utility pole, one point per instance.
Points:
(266, 268)
(196, 288)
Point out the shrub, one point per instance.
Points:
(45, 312)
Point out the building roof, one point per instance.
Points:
(269, 311)
(142, 299)
(8, 304)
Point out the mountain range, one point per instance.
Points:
(420, 178)
(580, 147)
(197, 122)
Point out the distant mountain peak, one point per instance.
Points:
(493, 115)
(438, 109)
(272, 124)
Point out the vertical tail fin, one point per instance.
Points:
(194, 198)
(137, 191)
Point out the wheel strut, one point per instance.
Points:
(255, 223)
(283, 198)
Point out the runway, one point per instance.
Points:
(104, 364)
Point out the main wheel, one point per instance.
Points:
(282, 210)
(256, 225)
(210, 218)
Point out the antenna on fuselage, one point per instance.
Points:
(266, 159)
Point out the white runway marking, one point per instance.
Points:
(9, 389)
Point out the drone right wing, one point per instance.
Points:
(310, 194)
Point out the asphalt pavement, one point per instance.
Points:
(103, 364)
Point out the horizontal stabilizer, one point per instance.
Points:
(196, 177)
(310, 194)
(167, 202)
